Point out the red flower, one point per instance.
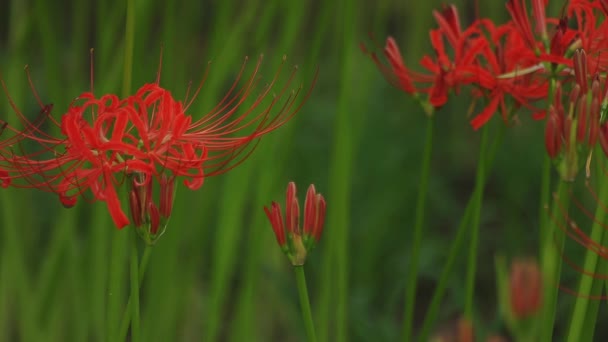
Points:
(298, 242)
(445, 73)
(149, 137)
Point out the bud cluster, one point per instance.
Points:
(574, 127)
(148, 218)
(297, 242)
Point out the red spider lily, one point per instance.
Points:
(299, 241)
(445, 73)
(149, 136)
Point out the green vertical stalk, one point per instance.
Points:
(412, 277)
(116, 280)
(551, 262)
(474, 237)
(305, 303)
(131, 304)
(98, 273)
(585, 312)
(545, 190)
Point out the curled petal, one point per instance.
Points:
(67, 201)
(194, 182)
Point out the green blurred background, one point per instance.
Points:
(217, 273)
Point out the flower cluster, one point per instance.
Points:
(512, 65)
(145, 141)
(298, 241)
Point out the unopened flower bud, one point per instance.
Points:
(314, 217)
(295, 242)
(150, 220)
(553, 133)
(581, 121)
(538, 9)
(525, 288)
(580, 69)
(167, 193)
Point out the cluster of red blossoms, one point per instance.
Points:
(145, 141)
(527, 62)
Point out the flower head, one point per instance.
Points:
(293, 240)
(148, 138)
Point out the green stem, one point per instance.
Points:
(305, 303)
(545, 187)
(412, 277)
(473, 247)
(129, 310)
(454, 252)
(116, 279)
(582, 311)
(134, 297)
(551, 263)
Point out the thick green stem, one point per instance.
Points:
(474, 237)
(412, 277)
(551, 262)
(583, 312)
(305, 303)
